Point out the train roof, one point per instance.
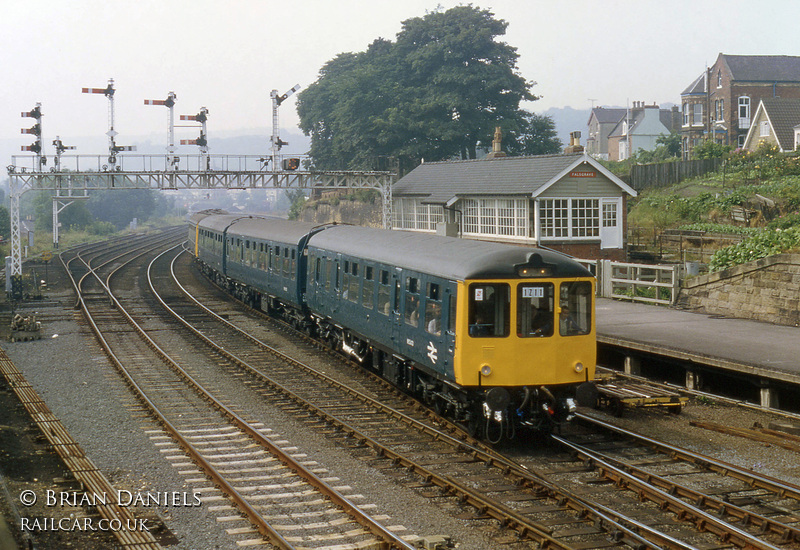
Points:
(195, 217)
(258, 227)
(448, 257)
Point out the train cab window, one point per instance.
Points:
(411, 311)
(369, 287)
(575, 316)
(489, 310)
(433, 309)
(384, 293)
(535, 304)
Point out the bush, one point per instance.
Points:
(760, 245)
(101, 228)
(786, 221)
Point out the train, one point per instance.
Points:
(497, 337)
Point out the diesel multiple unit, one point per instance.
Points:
(498, 337)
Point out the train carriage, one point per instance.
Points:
(255, 257)
(496, 336)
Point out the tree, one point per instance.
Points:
(536, 135)
(434, 93)
(121, 206)
(710, 149)
(75, 215)
(671, 143)
(5, 223)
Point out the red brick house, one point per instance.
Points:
(720, 103)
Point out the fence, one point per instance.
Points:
(670, 173)
(655, 284)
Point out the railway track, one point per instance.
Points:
(245, 466)
(559, 501)
(622, 528)
(721, 494)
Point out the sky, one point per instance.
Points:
(227, 55)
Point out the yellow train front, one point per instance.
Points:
(528, 345)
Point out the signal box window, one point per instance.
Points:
(575, 300)
(489, 310)
(535, 310)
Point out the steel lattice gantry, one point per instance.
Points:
(68, 185)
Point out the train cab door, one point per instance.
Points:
(449, 323)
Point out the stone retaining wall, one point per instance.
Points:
(765, 290)
(346, 211)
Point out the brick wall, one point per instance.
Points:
(764, 290)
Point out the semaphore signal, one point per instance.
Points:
(36, 130)
(60, 148)
(113, 148)
(275, 139)
(169, 103)
(202, 141)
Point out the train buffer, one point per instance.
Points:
(616, 396)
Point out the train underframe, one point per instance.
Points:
(493, 414)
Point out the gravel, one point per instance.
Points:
(74, 377)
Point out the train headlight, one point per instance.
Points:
(578, 367)
(486, 370)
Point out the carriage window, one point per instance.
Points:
(318, 270)
(369, 288)
(412, 302)
(575, 300)
(328, 274)
(489, 310)
(535, 305)
(433, 310)
(352, 293)
(384, 293)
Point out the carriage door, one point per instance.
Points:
(397, 314)
(610, 223)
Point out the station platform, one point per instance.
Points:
(753, 348)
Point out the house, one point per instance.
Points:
(718, 105)
(776, 121)
(570, 203)
(601, 121)
(639, 128)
